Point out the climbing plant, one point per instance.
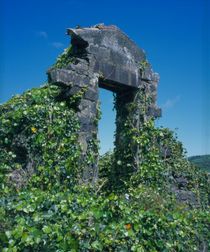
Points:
(53, 213)
(133, 206)
(64, 58)
(38, 139)
(131, 116)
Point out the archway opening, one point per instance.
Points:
(108, 90)
(106, 127)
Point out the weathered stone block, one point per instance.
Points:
(103, 56)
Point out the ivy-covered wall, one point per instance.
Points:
(39, 140)
(103, 56)
(144, 196)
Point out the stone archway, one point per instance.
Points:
(103, 56)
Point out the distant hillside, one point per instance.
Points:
(202, 161)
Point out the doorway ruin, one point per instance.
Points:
(106, 124)
(103, 56)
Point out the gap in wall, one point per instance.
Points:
(106, 126)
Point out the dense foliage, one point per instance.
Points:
(44, 207)
(82, 219)
(203, 162)
(38, 135)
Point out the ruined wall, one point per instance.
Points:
(103, 56)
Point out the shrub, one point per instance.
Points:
(43, 207)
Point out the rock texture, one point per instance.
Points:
(103, 56)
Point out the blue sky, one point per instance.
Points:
(174, 34)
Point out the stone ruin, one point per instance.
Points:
(105, 57)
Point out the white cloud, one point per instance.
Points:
(170, 103)
(57, 44)
(42, 34)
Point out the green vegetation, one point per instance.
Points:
(64, 59)
(45, 207)
(38, 133)
(203, 162)
(82, 219)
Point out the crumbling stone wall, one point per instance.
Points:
(103, 56)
